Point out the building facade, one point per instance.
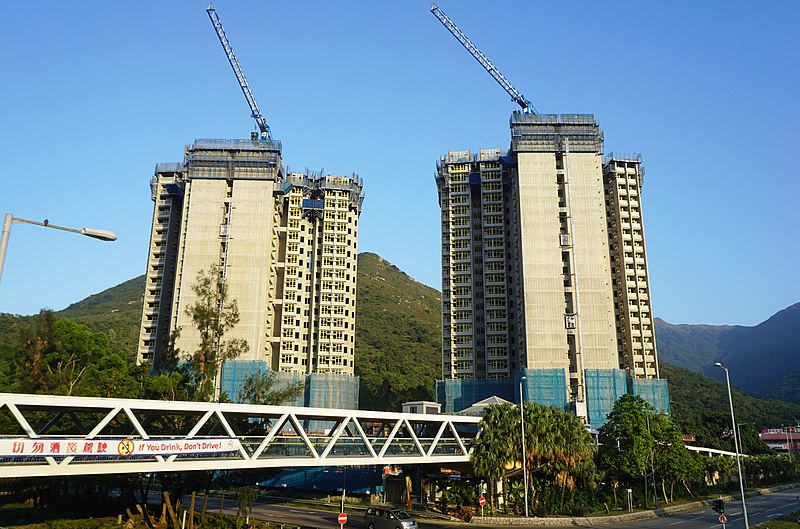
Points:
(623, 177)
(539, 245)
(284, 244)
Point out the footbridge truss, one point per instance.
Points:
(44, 435)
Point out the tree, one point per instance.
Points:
(244, 499)
(264, 388)
(35, 340)
(627, 453)
(560, 456)
(644, 441)
(493, 451)
(558, 452)
(213, 314)
(673, 461)
(63, 357)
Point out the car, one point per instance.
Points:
(387, 518)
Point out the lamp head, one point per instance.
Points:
(719, 365)
(103, 235)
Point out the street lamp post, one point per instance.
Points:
(741, 448)
(652, 465)
(788, 446)
(522, 429)
(736, 445)
(103, 235)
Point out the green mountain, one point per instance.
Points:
(398, 336)
(398, 347)
(764, 360)
(398, 330)
(701, 406)
(115, 311)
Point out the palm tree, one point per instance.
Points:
(492, 451)
(558, 449)
(245, 498)
(574, 451)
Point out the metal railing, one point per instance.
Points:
(45, 435)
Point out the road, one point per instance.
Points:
(760, 509)
(290, 515)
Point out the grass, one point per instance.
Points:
(19, 516)
(784, 522)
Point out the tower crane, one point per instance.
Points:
(248, 94)
(517, 97)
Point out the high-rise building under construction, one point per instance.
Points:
(284, 244)
(544, 272)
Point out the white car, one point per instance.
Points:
(384, 518)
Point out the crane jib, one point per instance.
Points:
(237, 70)
(516, 96)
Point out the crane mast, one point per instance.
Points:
(248, 94)
(517, 97)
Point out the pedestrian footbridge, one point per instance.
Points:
(45, 435)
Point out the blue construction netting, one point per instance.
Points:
(286, 379)
(654, 391)
(603, 388)
(235, 372)
(321, 390)
(328, 390)
(544, 386)
(459, 394)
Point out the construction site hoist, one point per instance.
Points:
(518, 98)
(248, 94)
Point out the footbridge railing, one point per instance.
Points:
(43, 435)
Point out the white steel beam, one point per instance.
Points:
(75, 441)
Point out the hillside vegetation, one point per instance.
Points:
(764, 359)
(398, 336)
(398, 349)
(115, 311)
(700, 405)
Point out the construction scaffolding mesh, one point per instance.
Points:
(235, 372)
(603, 388)
(545, 386)
(320, 390)
(329, 390)
(555, 133)
(653, 390)
(456, 394)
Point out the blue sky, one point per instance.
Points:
(94, 94)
